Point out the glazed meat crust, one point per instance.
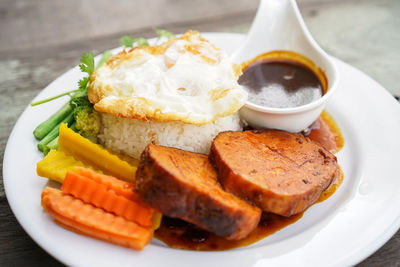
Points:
(184, 185)
(280, 172)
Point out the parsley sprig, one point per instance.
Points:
(87, 66)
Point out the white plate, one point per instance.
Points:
(359, 218)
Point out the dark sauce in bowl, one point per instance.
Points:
(282, 79)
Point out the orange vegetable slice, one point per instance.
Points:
(93, 192)
(121, 188)
(86, 219)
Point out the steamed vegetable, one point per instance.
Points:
(95, 192)
(119, 187)
(56, 164)
(83, 218)
(86, 117)
(54, 133)
(75, 150)
(45, 127)
(53, 145)
(93, 154)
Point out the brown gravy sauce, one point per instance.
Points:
(282, 79)
(326, 132)
(180, 234)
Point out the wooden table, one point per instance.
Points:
(42, 39)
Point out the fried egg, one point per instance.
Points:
(184, 79)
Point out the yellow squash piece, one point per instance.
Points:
(157, 217)
(94, 155)
(56, 164)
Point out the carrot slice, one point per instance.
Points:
(89, 220)
(120, 187)
(100, 196)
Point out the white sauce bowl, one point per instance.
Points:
(278, 25)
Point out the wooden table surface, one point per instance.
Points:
(42, 39)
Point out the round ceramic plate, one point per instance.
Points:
(359, 218)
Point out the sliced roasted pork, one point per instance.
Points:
(277, 171)
(184, 185)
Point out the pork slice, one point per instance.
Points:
(280, 172)
(184, 185)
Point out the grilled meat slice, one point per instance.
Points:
(277, 171)
(184, 185)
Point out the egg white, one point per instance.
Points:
(186, 79)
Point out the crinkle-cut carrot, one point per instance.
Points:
(56, 164)
(95, 222)
(120, 187)
(97, 194)
(94, 155)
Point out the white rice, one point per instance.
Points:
(131, 136)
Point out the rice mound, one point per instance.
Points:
(131, 136)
